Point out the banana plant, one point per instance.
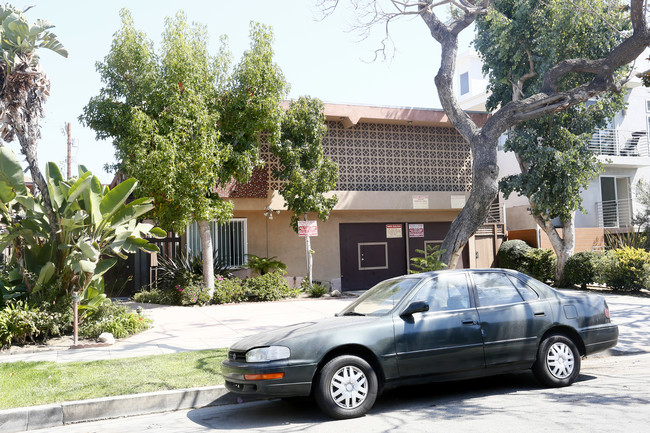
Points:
(96, 228)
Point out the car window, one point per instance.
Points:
(495, 288)
(381, 298)
(524, 290)
(444, 293)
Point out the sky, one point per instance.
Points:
(320, 58)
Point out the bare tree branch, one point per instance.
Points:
(518, 87)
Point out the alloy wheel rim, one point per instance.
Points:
(349, 387)
(560, 360)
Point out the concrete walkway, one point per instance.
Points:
(181, 329)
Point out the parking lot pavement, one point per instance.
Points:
(632, 315)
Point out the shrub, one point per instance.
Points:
(264, 265)
(315, 290)
(269, 287)
(17, 324)
(156, 296)
(626, 269)
(21, 322)
(430, 260)
(512, 255)
(581, 268)
(227, 290)
(193, 294)
(540, 264)
(116, 319)
(178, 270)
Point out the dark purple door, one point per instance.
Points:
(370, 253)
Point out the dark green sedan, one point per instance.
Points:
(428, 327)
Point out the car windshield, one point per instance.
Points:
(381, 299)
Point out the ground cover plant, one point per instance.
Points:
(36, 383)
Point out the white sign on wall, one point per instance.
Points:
(393, 231)
(307, 228)
(416, 230)
(420, 202)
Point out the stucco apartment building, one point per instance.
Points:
(404, 174)
(623, 147)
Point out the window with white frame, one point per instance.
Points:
(229, 239)
(464, 83)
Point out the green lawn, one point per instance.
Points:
(35, 383)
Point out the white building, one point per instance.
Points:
(624, 148)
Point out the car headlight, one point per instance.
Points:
(266, 354)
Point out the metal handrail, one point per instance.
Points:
(614, 213)
(616, 142)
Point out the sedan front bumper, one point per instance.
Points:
(297, 380)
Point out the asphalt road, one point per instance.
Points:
(611, 395)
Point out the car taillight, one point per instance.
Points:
(607, 310)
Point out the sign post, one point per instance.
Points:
(307, 229)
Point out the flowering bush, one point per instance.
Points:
(193, 294)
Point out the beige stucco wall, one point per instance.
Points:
(290, 248)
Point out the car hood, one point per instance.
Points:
(301, 332)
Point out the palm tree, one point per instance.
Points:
(24, 88)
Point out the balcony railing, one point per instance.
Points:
(615, 142)
(614, 213)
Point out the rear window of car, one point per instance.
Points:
(524, 290)
(495, 288)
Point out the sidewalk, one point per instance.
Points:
(182, 329)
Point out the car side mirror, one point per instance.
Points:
(415, 307)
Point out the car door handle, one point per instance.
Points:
(470, 322)
(540, 314)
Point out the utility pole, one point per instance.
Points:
(68, 129)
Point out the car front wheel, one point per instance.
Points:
(346, 387)
(558, 362)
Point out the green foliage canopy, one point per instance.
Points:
(518, 42)
(307, 173)
(181, 120)
(517, 35)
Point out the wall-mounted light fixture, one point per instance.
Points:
(268, 213)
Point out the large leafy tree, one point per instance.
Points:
(551, 97)
(183, 121)
(518, 41)
(24, 88)
(306, 172)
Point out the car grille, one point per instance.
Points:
(236, 356)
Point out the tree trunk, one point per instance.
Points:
(485, 172)
(563, 246)
(208, 254)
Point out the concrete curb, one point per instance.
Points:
(56, 415)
